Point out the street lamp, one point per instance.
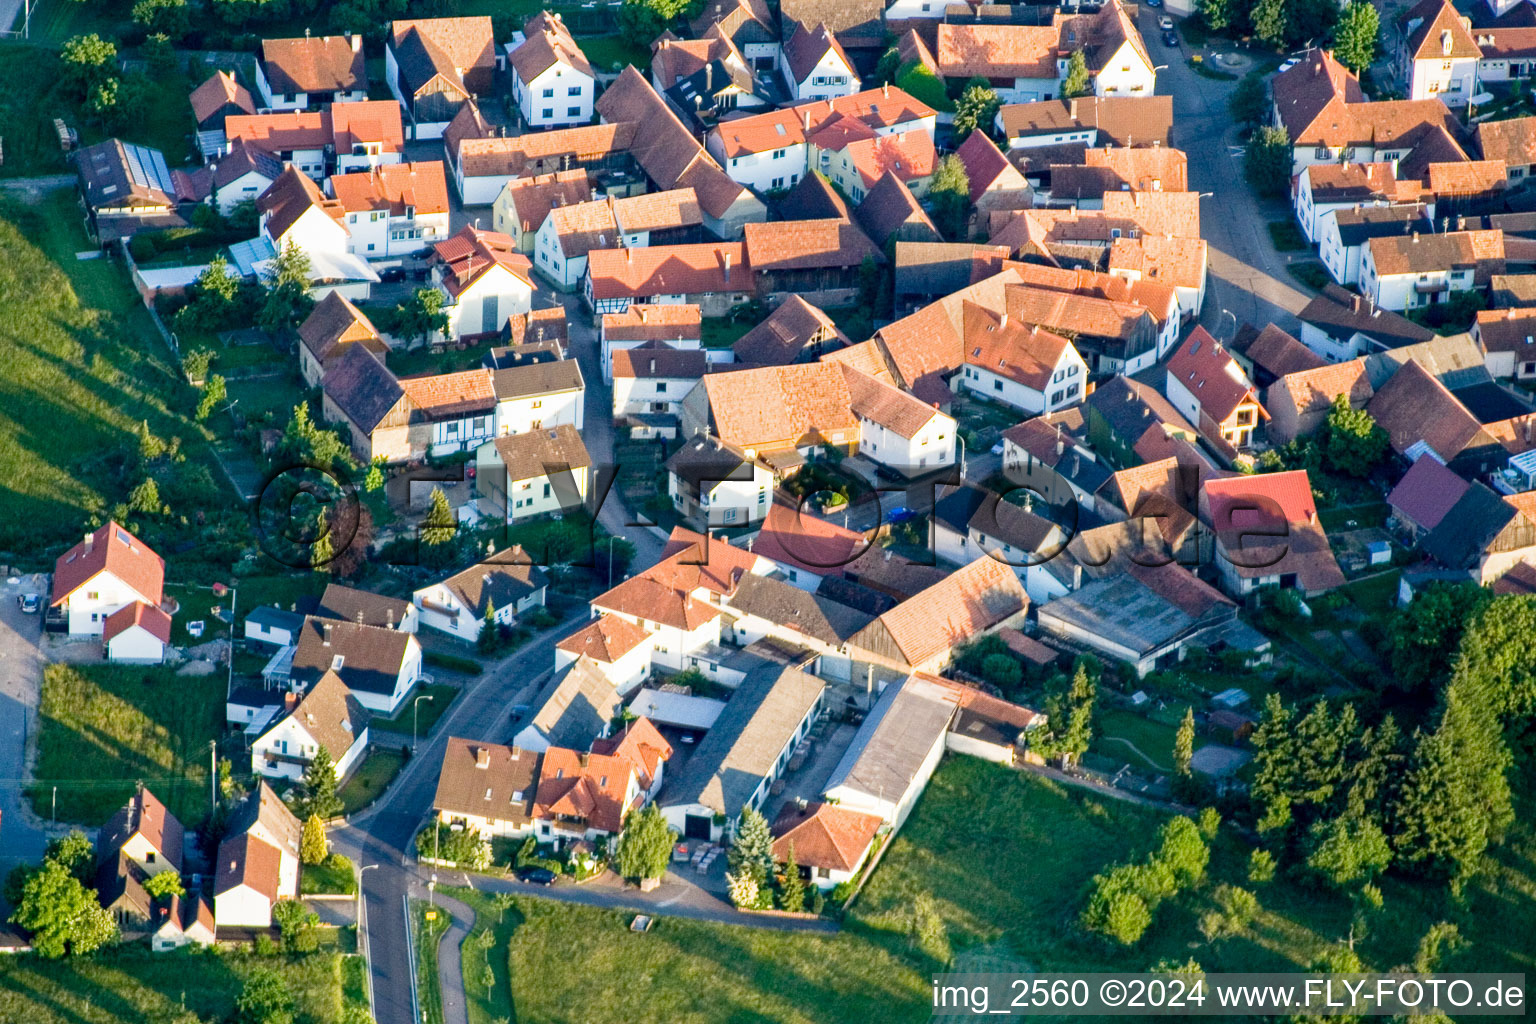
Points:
(611, 538)
(432, 889)
(416, 716)
(1227, 312)
(961, 438)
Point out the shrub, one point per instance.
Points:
(453, 662)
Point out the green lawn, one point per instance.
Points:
(722, 331)
(1312, 275)
(333, 876)
(1287, 236)
(1153, 738)
(424, 717)
(82, 369)
(129, 983)
(427, 927)
(369, 779)
(608, 52)
(105, 726)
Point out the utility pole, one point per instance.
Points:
(234, 601)
(213, 776)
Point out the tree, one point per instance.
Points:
(321, 551)
(1274, 767)
(1184, 752)
(164, 885)
(352, 537)
(145, 497)
(164, 17)
(214, 392)
(421, 314)
(1002, 671)
(89, 61)
(1441, 938)
(489, 639)
(791, 885)
(1348, 851)
(1267, 160)
(195, 365)
(1079, 729)
(1354, 38)
(1116, 908)
(1426, 635)
(320, 798)
(1076, 82)
(645, 845)
(297, 924)
(1182, 851)
(1269, 21)
(287, 287)
(265, 999)
(150, 446)
(890, 63)
(63, 916)
(306, 443)
(1249, 103)
(641, 21)
(950, 192)
(1352, 442)
(1496, 667)
(373, 480)
(439, 526)
(312, 845)
(1261, 866)
(974, 111)
(743, 890)
(1216, 14)
(75, 854)
(1208, 821)
(751, 852)
(215, 297)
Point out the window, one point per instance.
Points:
(1055, 397)
(574, 90)
(778, 183)
(778, 154)
(997, 385)
(548, 112)
(549, 93)
(572, 111)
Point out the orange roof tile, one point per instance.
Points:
(394, 187)
(110, 549)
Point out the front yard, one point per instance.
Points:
(103, 727)
(369, 779)
(422, 717)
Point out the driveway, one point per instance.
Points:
(1247, 274)
(22, 835)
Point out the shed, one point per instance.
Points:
(1230, 699)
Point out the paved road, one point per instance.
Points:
(1247, 275)
(22, 835)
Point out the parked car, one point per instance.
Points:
(900, 514)
(997, 449)
(30, 604)
(392, 274)
(1289, 63)
(1171, 40)
(536, 876)
(1165, 23)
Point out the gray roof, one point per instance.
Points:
(815, 616)
(352, 605)
(362, 387)
(536, 377)
(370, 657)
(744, 743)
(889, 749)
(1123, 611)
(269, 617)
(576, 706)
(1455, 360)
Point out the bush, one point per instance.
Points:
(453, 662)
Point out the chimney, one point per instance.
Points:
(1311, 516)
(1415, 238)
(290, 701)
(727, 268)
(885, 89)
(326, 629)
(1077, 576)
(629, 255)
(482, 757)
(356, 39)
(807, 120)
(389, 617)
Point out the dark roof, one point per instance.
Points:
(1427, 493)
(330, 714)
(531, 455)
(575, 706)
(1341, 314)
(935, 268)
(854, 22)
(815, 615)
(813, 198)
(1358, 226)
(503, 578)
(1471, 527)
(1130, 408)
(535, 374)
(244, 157)
(792, 330)
(367, 658)
(361, 387)
(487, 780)
(275, 618)
(314, 64)
(890, 209)
(361, 606)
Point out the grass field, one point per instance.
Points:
(422, 719)
(129, 983)
(608, 52)
(427, 927)
(105, 726)
(83, 368)
(371, 778)
(1154, 739)
(332, 876)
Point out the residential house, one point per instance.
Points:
(569, 233)
(922, 632)
(552, 80)
(497, 589)
(748, 747)
(651, 380)
(672, 158)
(1270, 354)
(484, 160)
(345, 137)
(535, 389)
(523, 203)
(677, 326)
(137, 633)
(1340, 325)
(271, 625)
(1022, 63)
(1178, 262)
(1160, 296)
(1422, 417)
(820, 260)
(295, 212)
(890, 213)
(722, 86)
(219, 96)
(333, 326)
(1343, 234)
(394, 210)
(1298, 403)
(1050, 461)
(749, 24)
(712, 275)
(299, 138)
(183, 921)
(528, 474)
(1508, 336)
(257, 864)
(716, 483)
(795, 332)
(434, 66)
(1119, 169)
(1089, 121)
(487, 787)
(894, 752)
(402, 419)
(1144, 617)
(989, 727)
(972, 523)
(1020, 365)
(815, 66)
(1267, 534)
(1109, 335)
(640, 744)
(241, 174)
(1117, 57)
(859, 25)
(1420, 270)
(618, 648)
(127, 188)
(297, 74)
(326, 717)
(855, 157)
(1485, 534)
(1423, 498)
(1122, 412)
(108, 571)
(1512, 141)
(807, 549)
(379, 666)
(771, 151)
(145, 832)
(485, 279)
(1209, 388)
(575, 707)
(367, 608)
(830, 842)
(1438, 56)
(995, 183)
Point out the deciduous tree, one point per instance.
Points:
(1267, 159)
(164, 885)
(265, 998)
(1249, 102)
(975, 110)
(645, 845)
(1354, 37)
(62, 915)
(214, 393)
(89, 60)
(421, 314)
(1348, 851)
(1269, 21)
(1353, 443)
(950, 192)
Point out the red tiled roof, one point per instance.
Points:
(1427, 492)
(1238, 502)
(319, 64)
(645, 322)
(472, 252)
(587, 787)
(291, 196)
(218, 91)
(794, 537)
(547, 42)
(1211, 374)
(641, 745)
(606, 638)
(394, 187)
(367, 121)
(696, 269)
(451, 395)
(148, 616)
(968, 601)
(281, 131)
(791, 126)
(997, 51)
(1020, 352)
(823, 835)
(110, 549)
